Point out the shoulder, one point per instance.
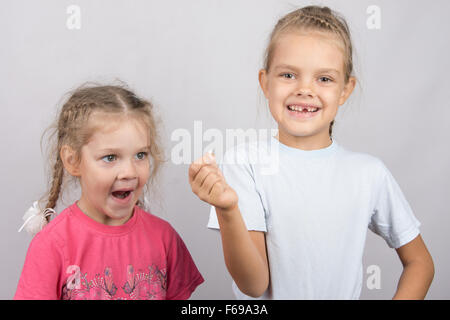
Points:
(54, 231)
(361, 161)
(154, 223)
(51, 237)
(159, 231)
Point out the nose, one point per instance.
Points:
(127, 170)
(304, 89)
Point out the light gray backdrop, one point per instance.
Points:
(198, 60)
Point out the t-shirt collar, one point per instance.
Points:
(102, 228)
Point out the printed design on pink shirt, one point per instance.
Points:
(140, 285)
(146, 286)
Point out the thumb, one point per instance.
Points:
(210, 158)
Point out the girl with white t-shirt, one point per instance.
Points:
(298, 231)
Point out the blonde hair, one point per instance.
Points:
(313, 18)
(72, 127)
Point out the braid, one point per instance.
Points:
(318, 21)
(58, 175)
(67, 116)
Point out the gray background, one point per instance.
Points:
(198, 60)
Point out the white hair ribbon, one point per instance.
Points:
(35, 218)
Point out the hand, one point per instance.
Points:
(208, 183)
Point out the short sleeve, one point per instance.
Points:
(392, 217)
(41, 272)
(239, 175)
(183, 276)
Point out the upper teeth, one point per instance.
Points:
(298, 108)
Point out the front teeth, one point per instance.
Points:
(298, 108)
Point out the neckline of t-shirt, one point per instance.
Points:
(318, 153)
(103, 228)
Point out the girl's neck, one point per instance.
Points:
(92, 213)
(306, 143)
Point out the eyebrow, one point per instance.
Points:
(114, 150)
(328, 70)
(323, 70)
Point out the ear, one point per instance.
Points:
(347, 91)
(70, 160)
(262, 77)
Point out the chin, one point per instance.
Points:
(296, 133)
(304, 130)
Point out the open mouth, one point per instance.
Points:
(121, 194)
(303, 109)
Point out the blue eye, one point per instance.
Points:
(109, 158)
(141, 155)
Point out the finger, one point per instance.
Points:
(194, 168)
(203, 158)
(207, 159)
(212, 188)
(210, 158)
(217, 189)
(202, 175)
(209, 182)
(199, 161)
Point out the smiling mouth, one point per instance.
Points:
(303, 109)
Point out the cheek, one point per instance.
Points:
(144, 173)
(95, 177)
(277, 97)
(332, 96)
(101, 182)
(279, 92)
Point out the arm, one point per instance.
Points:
(244, 251)
(418, 270)
(41, 271)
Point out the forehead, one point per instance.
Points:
(117, 131)
(309, 50)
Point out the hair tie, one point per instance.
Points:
(35, 218)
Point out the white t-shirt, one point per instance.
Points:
(315, 208)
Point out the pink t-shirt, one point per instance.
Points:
(76, 257)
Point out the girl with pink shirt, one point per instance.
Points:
(105, 245)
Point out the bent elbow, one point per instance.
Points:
(256, 294)
(255, 291)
